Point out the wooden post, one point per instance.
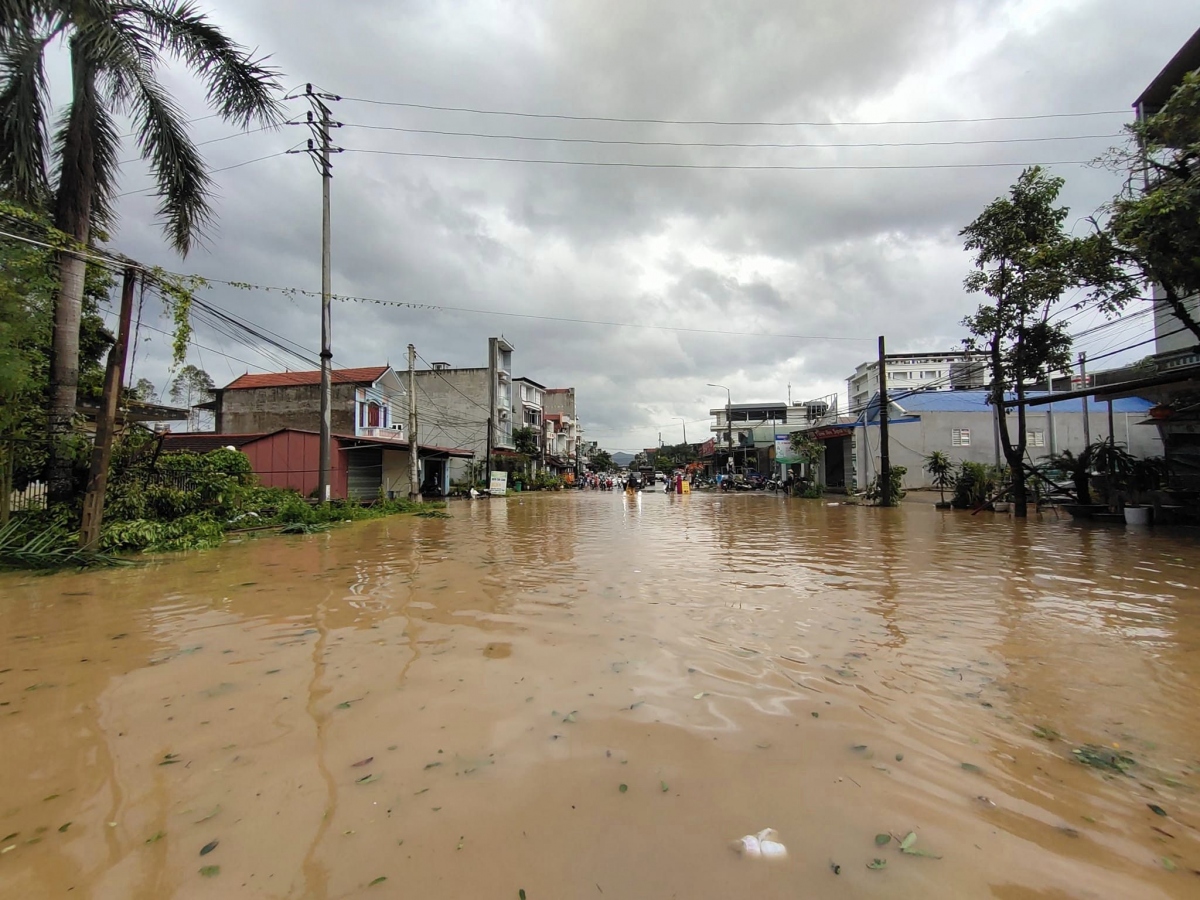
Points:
(106, 422)
(885, 463)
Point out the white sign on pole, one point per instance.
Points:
(783, 446)
(498, 485)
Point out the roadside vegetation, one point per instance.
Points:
(161, 502)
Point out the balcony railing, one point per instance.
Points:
(390, 433)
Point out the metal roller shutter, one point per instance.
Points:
(364, 473)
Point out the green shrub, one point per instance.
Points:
(975, 485)
(812, 492)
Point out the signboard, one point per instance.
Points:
(708, 448)
(829, 431)
(498, 485)
(1077, 382)
(783, 446)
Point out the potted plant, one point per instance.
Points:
(1140, 477)
(941, 471)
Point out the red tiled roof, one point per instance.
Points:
(362, 375)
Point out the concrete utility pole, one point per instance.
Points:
(319, 122)
(885, 462)
(414, 472)
(728, 414)
(1087, 425)
(106, 422)
(684, 423)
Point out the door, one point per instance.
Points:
(364, 473)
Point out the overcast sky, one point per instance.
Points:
(817, 261)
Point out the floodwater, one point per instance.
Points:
(591, 696)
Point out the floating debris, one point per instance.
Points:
(764, 845)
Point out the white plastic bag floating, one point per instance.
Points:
(764, 845)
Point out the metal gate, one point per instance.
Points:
(364, 473)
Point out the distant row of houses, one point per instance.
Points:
(937, 402)
(465, 417)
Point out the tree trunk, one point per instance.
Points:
(1180, 310)
(1012, 454)
(72, 215)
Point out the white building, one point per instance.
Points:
(917, 371)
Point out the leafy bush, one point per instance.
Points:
(875, 491)
(812, 492)
(976, 484)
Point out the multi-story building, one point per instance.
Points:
(529, 400)
(563, 432)
(457, 405)
(956, 370)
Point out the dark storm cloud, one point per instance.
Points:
(825, 254)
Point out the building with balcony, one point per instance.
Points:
(956, 370)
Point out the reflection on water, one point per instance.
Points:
(452, 705)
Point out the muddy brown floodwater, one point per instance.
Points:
(590, 696)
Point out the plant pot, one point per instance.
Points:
(1000, 506)
(1137, 515)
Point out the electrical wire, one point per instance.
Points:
(663, 121)
(726, 144)
(717, 166)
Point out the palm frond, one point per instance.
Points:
(241, 88)
(23, 107)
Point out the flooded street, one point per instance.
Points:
(589, 696)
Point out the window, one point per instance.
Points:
(960, 437)
(929, 374)
(373, 415)
(1035, 438)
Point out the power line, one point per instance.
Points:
(570, 140)
(218, 140)
(211, 172)
(650, 121)
(766, 167)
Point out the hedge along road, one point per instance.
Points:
(453, 706)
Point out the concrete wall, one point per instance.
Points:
(396, 482)
(296, 406)
(911, 442)
(452, 412)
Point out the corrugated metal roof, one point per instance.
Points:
(204, 441)
(976, 401)
(362, 375)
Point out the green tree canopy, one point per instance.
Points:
(1155, 220)
(1025, 262)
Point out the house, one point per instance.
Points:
(529, 400)
(752, 431)
(962, 425)
(365, 402)
(277, 415)
(955, 370)
(361, 467)
(564, 433)
(467, 408)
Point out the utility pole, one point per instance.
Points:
(106, 422)
(319, 148)
(1087, 426)
(885, 463)
(414, 472)
(683, 421)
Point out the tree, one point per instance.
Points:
(1025, 262)
(941, 469)
(525, 442)
(115, 49)
(1155, 220)
(144, 390)
(601, 461)
(191, 384)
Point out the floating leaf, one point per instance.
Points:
(209, 848)
(51, 797)
(367, 779)
(156, 837)
(1168, 865)
(909, 840)
(345, 704)
(1103, 758)
(859, 748)
(637, 704)
(9, 837)
(380, 880)
(521, 894)
(917, 851)
(570, 717)
(362, 762)
(210, 871)
(664, 786)
(273, 671)
(971, 767)
(1045, 733)
(837, 870)
(816, 715)
(881, 839)
(877, 864)
(899, 757)
(216, 810)
(701, 695)
(432, 765)
(623, 788)
(62, 828)
(169, 759)
(1157, 810)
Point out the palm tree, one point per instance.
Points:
(116, 47)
